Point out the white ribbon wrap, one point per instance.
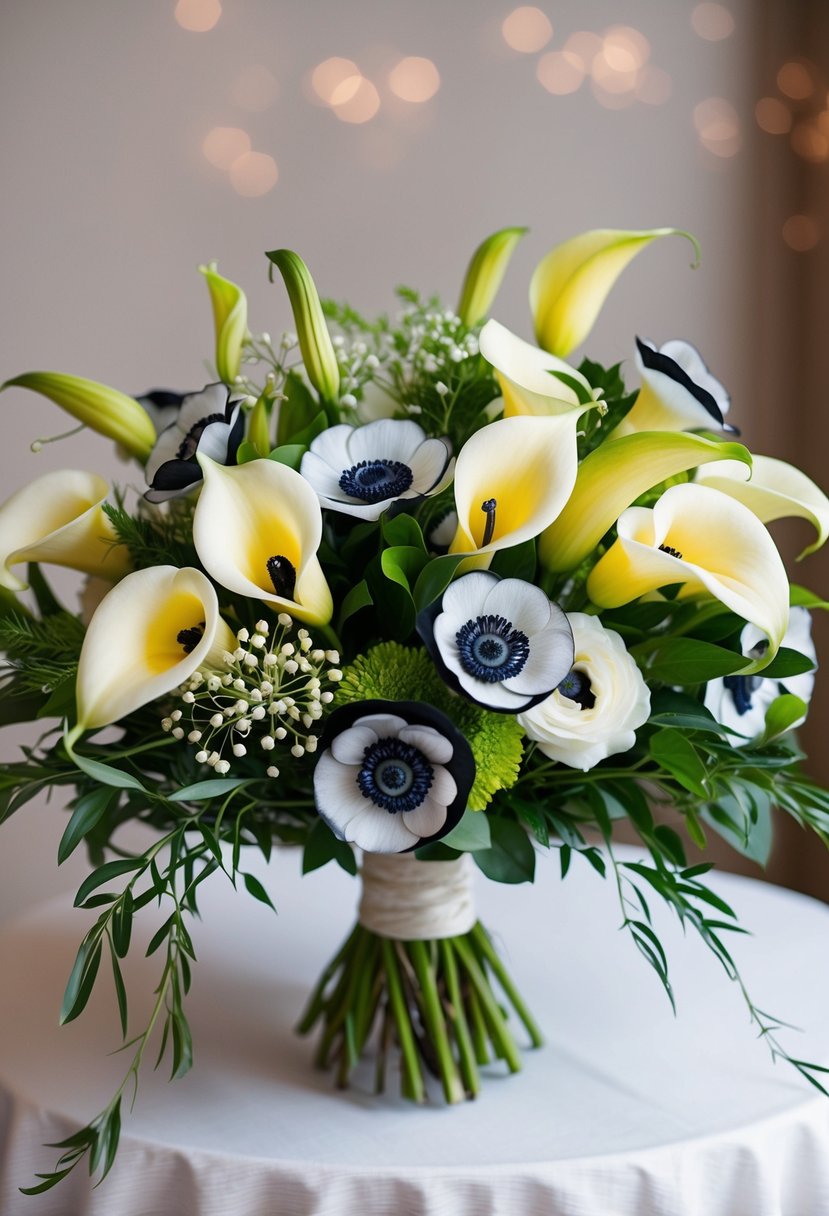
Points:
(412, 900)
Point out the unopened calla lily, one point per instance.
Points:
(776, 490)
(58, 519)
(318, 355)
(230, 318)
(95, 405)
(146, 637)
(485, 273)
(613, 476)
(570, 285)
(532, 381)
(708, 542)
(257, 528)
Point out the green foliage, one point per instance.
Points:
(156, 539)
(37, 675)
(595, 426)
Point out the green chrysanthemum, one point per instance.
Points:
(391, 672)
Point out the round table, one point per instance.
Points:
(628, 1111)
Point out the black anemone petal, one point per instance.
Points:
(415, 713)
(163, 398)
(172, 478)
(656, 361)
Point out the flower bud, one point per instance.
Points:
(230, 317)
(485, 273)
(315, 343)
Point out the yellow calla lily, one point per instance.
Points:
(318, 355)
(485, 274)
(257, 528)
(95, 405)
(512, 478)
(146, 637)
(777, 490)
(613, 476)
(708, 542)
(570, 284)
(230, 318)
(58, 519)
(532, 381)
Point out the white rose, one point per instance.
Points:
(609, 700)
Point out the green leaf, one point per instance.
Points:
(81, 979)
(511, 856)
(254, 887)
(687, 661)
(246, 452)
(305, 437)
(290, 454)
(120, 992)
(435, 578)
(787, 663)
(782, 715)
(358, 597)
(517, 562)
(89, 810)
(678, 710)
(45, 598)
(470, 834)
(674, 752)
(105, 774)
(729, 818)
(402, 564)
(202, 791)
(403, 529)
(297, 411)
(802, 597)
(109, 870)
(323, 846)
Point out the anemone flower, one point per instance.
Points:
(59, 519)
(392, 775)
(148, 635)
(711, 545)
(257, 528)
(362, 470)
(532, 381)
(740, 702)
(772, 489)
(209, 423)
(499, 642)
(678, 392)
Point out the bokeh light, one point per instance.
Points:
(414, 79)
(585, 44)
(336, 76)
(198, 16)
(254, 174)
(801, 233)
(654, 86)
(560, 72)
(255, 88)
(355, 104)
(796, 79)
(810, 142)
(527, 29)
(713, 22)
(718, 126)
(773, 116)
(625, 49)
(223, 145)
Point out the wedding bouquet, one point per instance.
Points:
(416, 587)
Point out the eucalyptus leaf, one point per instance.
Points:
(470, 834)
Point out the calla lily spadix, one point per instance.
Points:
(570, 285)
(512, 478)
(613, 476)
(776, 490)
(97, 406)
(532, 381)
(230, 319)
(709, 543)
(485, 273)
(58, 519)
(257, 528)
(146, 637)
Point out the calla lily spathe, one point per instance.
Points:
(257, 528)
(532, 381)
(146, 637)
(613, 476)
(678, 392)
(776, 490)
(485, 273)
(570, 285)
(230, 318)
(58, 519)
(95, 405)
(318, 355)
(709, 543)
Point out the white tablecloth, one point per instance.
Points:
(626, 1112)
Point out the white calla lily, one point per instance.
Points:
(532, 381)
(58, 519)
(257, 528)
(153, 630)
(709, 543)
(772, 489)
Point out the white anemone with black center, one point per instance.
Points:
(386, 783)
(209, 423)
(362, 470)
(678, 392)
(500, 642)
(740, 703)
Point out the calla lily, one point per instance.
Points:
(318, 355)
(613, 476)
(532, 381)
(257, 528)
(102, 409)
(709, 543)
(572, 282)
(230, 317)
(485, 273)
(776, 490)
(58, 519)
(146, 637)
(512, 478)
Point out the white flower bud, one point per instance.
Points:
(267, 744)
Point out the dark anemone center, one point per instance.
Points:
(490, 649)
(374, 480)
(395, 775)
(576, 687)
(742, 689)
(283, 575)
(189, 639)
(189, 445)
(670, 551)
